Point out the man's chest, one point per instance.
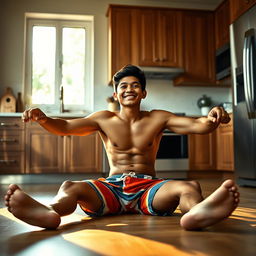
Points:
(136, 135)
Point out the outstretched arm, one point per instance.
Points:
(201, 125)
(79, 126)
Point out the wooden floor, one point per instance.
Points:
(130, 234)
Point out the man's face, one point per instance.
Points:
(129, 91)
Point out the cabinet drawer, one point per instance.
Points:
(11, 162)
(11, 123)
(11, 140)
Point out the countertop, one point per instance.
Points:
(64, 115)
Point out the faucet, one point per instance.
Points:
(62, 109)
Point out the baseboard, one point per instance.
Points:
(172, 174)
(50, 178)
(212, 174)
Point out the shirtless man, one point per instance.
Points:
(131, 138)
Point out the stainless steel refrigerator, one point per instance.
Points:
(243, 58)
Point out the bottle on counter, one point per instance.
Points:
(19, 104)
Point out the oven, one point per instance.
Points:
(172, 154)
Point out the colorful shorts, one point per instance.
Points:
(126, 193)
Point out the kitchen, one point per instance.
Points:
(177, 100)
(180, 98)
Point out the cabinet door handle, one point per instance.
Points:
(8, 124)
(12, 161)
(7, 140)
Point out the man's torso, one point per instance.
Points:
(132, 146)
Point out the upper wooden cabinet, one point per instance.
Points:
(222, 21)
(238, 7)
(163, 37)
(122, 30)
(160, 37)
(198, 49)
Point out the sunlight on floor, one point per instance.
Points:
(245, 214)
(116, 225)
(121, 243)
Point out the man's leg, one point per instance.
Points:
(22, 206)
(198, 213)
(172, 194)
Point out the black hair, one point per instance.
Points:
(130, 70)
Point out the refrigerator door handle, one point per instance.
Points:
(252, 71)
(248, 70)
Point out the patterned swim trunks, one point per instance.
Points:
(126, 193)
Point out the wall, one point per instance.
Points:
(161, 94)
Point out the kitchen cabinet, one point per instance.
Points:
(83, 154)
(44, 151)
(122, 37)
(213, 151)
(238, 7)
(202, 151)
(144, 37)
(222, 21)
(11, 145)
(160, 38)
(198, 49)
(48, 153)
(225, 146)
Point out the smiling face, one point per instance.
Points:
(129, 91)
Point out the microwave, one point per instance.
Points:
(223, 62)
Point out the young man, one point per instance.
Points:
(131, 138)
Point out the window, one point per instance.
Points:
(59, 54)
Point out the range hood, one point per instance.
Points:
(161, 73)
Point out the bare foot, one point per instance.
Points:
(25, 208)
(218, 206)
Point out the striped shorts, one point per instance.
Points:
(126, 193)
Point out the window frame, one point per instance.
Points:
(60, 21)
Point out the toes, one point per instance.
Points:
(13, 187)
(229, 184)
(236, 194)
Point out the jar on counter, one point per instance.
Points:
(204, 103)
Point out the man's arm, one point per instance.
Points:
(79, 126)
(201, 125)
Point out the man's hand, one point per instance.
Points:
(218, 115)
(35, 115)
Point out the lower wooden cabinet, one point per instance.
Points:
(225, 146)
(12, 145)
(202, 151)
(48, 153)
(214, 151)
(83, 154)
(44, 151)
